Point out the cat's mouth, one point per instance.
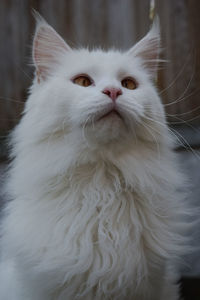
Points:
(106, 114)
(112, 113)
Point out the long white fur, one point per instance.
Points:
(96, 210)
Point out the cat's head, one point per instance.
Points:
(100, 97)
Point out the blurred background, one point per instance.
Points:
(114, 23)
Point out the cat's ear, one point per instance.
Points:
(148, 49)
(48, 46)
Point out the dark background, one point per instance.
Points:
(114, 23)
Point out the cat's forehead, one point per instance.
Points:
(100, 62)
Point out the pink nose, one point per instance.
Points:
(112, 92)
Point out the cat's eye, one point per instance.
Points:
(129, 83)
(82, 80)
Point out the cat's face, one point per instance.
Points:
(102, 97)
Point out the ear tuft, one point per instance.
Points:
(38, 18)
(148, 48)
(48, 46)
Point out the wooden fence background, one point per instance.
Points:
(104, 23)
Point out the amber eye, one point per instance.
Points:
(82, 80)
(129, 83)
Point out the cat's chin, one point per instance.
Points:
(111, 120)
(107, 129)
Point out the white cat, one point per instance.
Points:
(95, 211)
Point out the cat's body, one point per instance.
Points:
(96, 213)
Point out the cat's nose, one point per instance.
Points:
(112, 92)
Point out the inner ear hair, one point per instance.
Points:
(48, 45)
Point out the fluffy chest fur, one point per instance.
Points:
(106, 232)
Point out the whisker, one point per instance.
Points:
(177, 76)
(181, 114)
(24, 73)
(181, 120)
(83, 130)
(93, 122)
(129, 106)
(176, 116)
(189, 120)
(149, 128)
(9, 119)
(135, 136)
(12, 100)
(181, 98)
(179, 135)
(186, 143)
(168, 129)
(48, 142)
(185, 113)
(63, 126)
(128, 109)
